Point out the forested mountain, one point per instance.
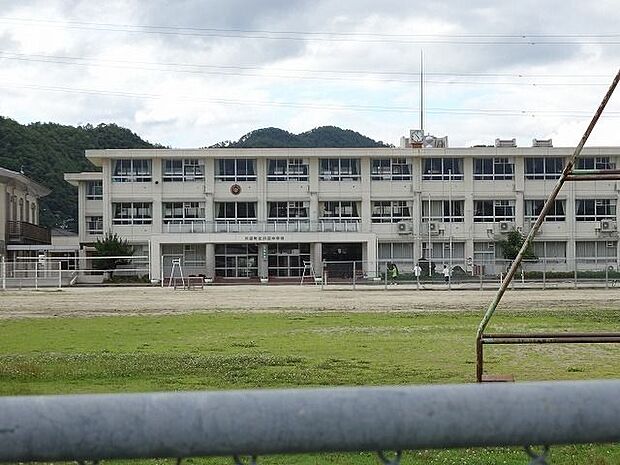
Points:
(324, 136)
(45, 151)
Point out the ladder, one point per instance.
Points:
(309, 272)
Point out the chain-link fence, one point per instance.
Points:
(468, 274)
(46, 272)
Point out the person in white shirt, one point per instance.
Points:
(446, 273)
(417, 271)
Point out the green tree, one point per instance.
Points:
(112, 246)
(513, 243)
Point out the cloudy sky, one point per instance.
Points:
(190, 73)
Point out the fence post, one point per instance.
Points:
(606, 274)
(353, 274)
(3, 270)
(36, 275)
(386, 279)
(544, 273)
(481, 279)
(575, 278)
(59, 274)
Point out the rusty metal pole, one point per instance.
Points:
(541, 217)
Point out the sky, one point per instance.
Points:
(191, 73)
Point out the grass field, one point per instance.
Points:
(233, 349)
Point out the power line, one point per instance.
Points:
(498, 40)
(86, 62)
(323, 106)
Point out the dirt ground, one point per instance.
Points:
(105, 301)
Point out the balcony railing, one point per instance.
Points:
(185, 226)
(20, 232)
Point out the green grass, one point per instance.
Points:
(250, 350)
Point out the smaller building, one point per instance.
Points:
(20, 232)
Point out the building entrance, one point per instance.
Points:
(339, 258)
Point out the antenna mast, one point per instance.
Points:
(422, 91)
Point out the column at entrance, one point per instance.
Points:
(316, 256)
(263, 263)
(369, 254)
(210, 260)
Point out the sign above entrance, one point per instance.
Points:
(264, 238)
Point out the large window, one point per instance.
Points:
(94, 224)
(595, 209)
(443, 252)
(595, 163)
(283, 169)
(443, 169)
(600, 253)
(443, 210)
(240, 169)
(287, 260)
(236, 260)
(183, 170)
(132, 170)
(339, 210)
(494, 210)
(390, 211)
(235, 211)
(132, 212)
(94, 190)
(550, 250)
(288, 211)
(493, 169)
(183, 212)
(534, 207)
(396, 251)
(543, 167)
(390, 169)
(486, 253)
(339, 169)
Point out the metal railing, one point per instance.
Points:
(258, 422)
(260, 226)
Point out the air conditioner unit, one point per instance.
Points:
(608, 226)
(505, 226)
(404, 227)
(434, 227)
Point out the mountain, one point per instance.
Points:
(324, 136)
(45, 151)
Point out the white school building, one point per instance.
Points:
(262, 213)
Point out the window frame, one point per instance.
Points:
(531, 212)
(133, 213)
(448, 210)
(243, 169)
(94, 190)
(494, 215)
(390, 211)
(341, 205)
(294, 169)
(185, 217)
(599, 207)
(339, 169)
(543, 172)
(398, 169)
(439, 169)
(235, 206)
(97, 220)
(132, 170)
(189, 170)
(493, 175)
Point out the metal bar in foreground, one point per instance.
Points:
(255, 422)
(536, 226)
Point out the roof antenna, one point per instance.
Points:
(422, 91)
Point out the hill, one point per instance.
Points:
(324, 136)
(45, 151)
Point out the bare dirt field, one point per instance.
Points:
(106, 301)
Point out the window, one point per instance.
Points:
(231, 169)
(442, 210)
(443, 169)
(183, 212)
(282, 169)
(339, 169)
(543, 167)
(94, 224)
(94, 190)
(486, 252)
(390, 211)
(339, 210)
(595, 163)
(443, 251)
(494, 210)
(556, 213)
(596, 252)
(550, 250)
(390, 169)
(132, 171)
(595, 209)
(235, 211)
(194, 255)
(183, 170)
(287, 260)
(288, 211)
(395, 251)
(132, 213)
(496, 169)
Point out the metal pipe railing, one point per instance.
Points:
(257, 422)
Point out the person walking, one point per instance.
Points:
(417, 272)
(446, 274)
